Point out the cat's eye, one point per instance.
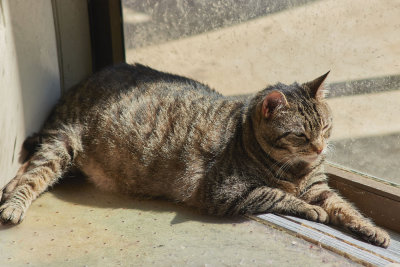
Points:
(282, 136)
(325, 127)
(325, 131)
(302, 136)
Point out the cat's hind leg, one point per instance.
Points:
(30, 146)
(42, 170)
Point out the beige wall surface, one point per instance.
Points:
(74, 41)
(29, 75)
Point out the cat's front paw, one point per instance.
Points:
(7, 191)
(371, 234)
(11, 212)
(316, 214)
(4, 195)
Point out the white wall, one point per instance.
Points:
(29, 75)
(74, 41)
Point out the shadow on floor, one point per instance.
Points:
(78, 190)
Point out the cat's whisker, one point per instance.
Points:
(330, 149)
(285, 166)
(281, 162)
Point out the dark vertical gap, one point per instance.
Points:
(13, 154)
(117, 31)
(106, 33)
(59, 45)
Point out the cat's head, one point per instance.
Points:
(293, 122)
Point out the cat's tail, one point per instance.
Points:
(50, 158)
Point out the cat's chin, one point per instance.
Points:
(310, 159)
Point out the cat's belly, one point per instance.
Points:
(177, 186)
(97, 176)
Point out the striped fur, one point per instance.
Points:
(135, 130)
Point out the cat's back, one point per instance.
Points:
(119, 87)
(138, 80)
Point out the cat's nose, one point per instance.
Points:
(318, 148)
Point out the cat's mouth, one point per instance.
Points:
(310, 158)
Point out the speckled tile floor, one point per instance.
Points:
(74, 224)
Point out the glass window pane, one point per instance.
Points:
(238, 47)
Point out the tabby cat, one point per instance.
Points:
(139, 131)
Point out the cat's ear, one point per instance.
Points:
(272, 102)
(316, 87)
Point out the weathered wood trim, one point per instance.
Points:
(377, 200)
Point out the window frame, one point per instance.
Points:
(374, 198)
(106, 32)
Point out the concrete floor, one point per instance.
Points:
(366, 134)
(384, 151)
(76, 225)
(354, 39)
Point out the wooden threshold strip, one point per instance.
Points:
(375, 199)
(330, 238)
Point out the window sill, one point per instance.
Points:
(377, 200)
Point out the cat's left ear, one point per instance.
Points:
(272, 102)
(316, 87)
